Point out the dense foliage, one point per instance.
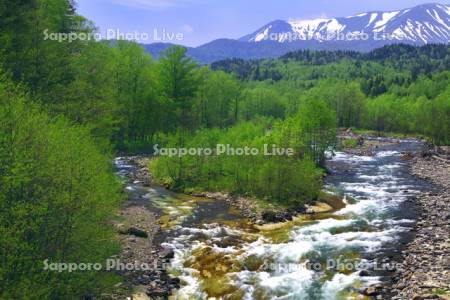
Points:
(65, 106)
(56, 194)
(58, 112)
(262, 171)
(394, 88)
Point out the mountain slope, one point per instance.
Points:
(423, 24)
(420, 25)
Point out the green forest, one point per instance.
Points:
(67, 108)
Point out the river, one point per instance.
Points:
(220, 255)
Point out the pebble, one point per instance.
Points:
(424, 262)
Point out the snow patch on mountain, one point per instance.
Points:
(423, 24)
(386, 17)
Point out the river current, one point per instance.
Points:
(220, 255)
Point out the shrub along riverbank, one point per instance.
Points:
(284, 179)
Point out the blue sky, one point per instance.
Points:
(201, 21)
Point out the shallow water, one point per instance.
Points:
(220, 255)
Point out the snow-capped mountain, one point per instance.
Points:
(423, 24)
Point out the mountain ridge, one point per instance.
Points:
(420, 25)
(426, 23)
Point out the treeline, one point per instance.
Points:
(423, 60)
(397, 88)
(384, 90)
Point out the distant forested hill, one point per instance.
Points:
(416, 60)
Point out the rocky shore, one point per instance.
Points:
(425, 265)
(140, 233)
(268, 214)
(364, 145)
(140, 236)
(422, 269)
(250, 209)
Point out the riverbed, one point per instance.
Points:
(219, 254)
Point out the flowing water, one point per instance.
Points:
(220, 255)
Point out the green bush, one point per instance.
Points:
(283, 179)
(349, 143)
(57, 192)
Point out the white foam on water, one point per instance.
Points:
(371, 190)
(382, 189)
(192, 288)
(323, 225)
(258, 248)
(388, 153)
(295, 282)
(225, 250)
(369, 241)
(342, 156)
(292, 285)
(359, 207)
(373, 178)
(290, 252)
(390, 167)
(379, 222)
(339, 282)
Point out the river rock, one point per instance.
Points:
(372, 291)
(424, 262)
(137, 232)
(140, 296)
(318, 207)
(364, 273)
(407, 156)
(271, 217)
(157, 293)
(166, 253)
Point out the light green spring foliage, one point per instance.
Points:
(287, 180)
(217, 101)
(179, 80)
(57, 192)
(410, 82)
(421, 111)
(262, 101)
(85, 98)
